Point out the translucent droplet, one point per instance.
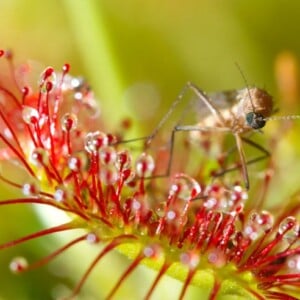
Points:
(30, 115)
(94, 141)
(289, 228)
(69, 122)
(237, 195)
(287, 224)
(293, 264)
(171, 215)
(30, 189)
(139, 207)
(264, 220)
(108, 155)
(80, 85)
(190, 259)
(109, 175)
(123, 160)
(251, 231)
(136, 205)
(66, 68)
(185, 187)
(78, 162)
(128, 175)
(62, 194)
(92, 238)
(144, 165)
(210, 203)
(112, 139)
(152, 251)
(39, 157)
(76, 82)
(25, 91)
(217, 258)
(47, 80)
(18, 264)
(78, 96)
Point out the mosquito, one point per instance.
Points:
(238, 112)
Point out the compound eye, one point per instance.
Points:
(255, 120)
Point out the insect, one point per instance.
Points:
(237, 112)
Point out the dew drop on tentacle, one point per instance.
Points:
(107, 155)
(69, 122)
(217, 258)
(152, 251)
(224, 199)
(258, 224)
(66, 68)
(123, 160)
(128, 176)
(293, 264)
(111, 139)
(144, 165)
(94, 141)
(190, 259)
(63, 194)
(238, 195)
(30, 189)
(109, 175)
(289, 228)
(78, 161)
(92, 238)
(80, 87)
(215, 197)
(18, 264)
(30, 115)
(185, 187)
(172, 215)
(264, 219)
(136, 204)
(140, 208)
(84, 97)
(39, 157)
(286, 224)
(47, 80)
(25, 92)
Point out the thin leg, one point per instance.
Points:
(172, 142)
(265, 154)
(243, 160)
(207, 102)
(200, 95)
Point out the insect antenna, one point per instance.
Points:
(278, 118)
(246, 84)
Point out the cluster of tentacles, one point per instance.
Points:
(54, 136)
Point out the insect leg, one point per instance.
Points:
(243, 160)
(265, 154)
(200, 95)
(186, 128)
(188, 86)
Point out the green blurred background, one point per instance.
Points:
(131, 48)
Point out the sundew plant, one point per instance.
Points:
(56, 152)
(175, 202)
